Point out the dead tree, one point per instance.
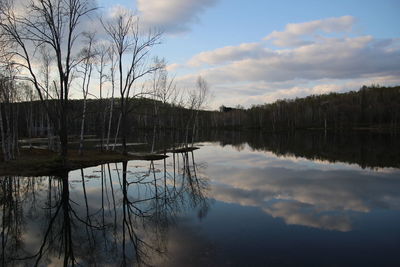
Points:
(102, 51)
(87, 66)
(162, 91)
(197, 97)
(52, 24)
(132, 48)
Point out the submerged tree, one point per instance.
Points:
(197, 97)
(163, 90)
(132, 47)
(8, 116)
(52, 25)
(87, 68)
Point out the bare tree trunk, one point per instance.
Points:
(29, 122)
(3, 136)
(112, 74)
(82, 127)
(117, 132)
(15, 133)
(194, 126)
(124, 32)
(124, 133)
(53, 25)
(50, 138)
(63, 133)
(154, 126)
(9, 133)
(87, 74)
(110, 121)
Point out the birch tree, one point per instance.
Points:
(196, 100)
(8, 113)
(102, 51)
(112, 70)
(52, 24)
(162, 90)
(132, 47)
(87, 68)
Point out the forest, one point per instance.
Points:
(370, 107)
(123, 89)
(45, 54)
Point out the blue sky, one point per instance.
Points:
(330, 45)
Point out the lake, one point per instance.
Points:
(241, 199)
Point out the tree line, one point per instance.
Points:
(45, 54)
(370, 107)
(44, 45)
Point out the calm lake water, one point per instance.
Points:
(278, 201)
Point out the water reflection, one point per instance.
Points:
(366, 149)
(116, 214)
(268, 208)
(301, 192)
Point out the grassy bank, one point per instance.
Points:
(41, 162)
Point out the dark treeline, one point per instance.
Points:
(53, 57)
(371, 107)
(32, 118)
(376, 148)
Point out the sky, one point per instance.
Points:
(257, 51)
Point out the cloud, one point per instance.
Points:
(314, 62)
(230, 54)
(295, 33)
(311, 194)
(316, 194)
(253, 73)
(173, 67)
(173, 16)
(118, 10)
(333, 59)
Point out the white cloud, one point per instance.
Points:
(173, 16)
(311, 194)
(173, 67)
(252, 73)
(294, 33)
(230, 54)
(334, 58)
(118, 10)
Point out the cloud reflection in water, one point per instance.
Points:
(300, 191)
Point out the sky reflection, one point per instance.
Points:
(215, 207)
(300, 191)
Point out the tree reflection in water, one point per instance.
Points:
(122, 220)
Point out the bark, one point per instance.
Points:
(117, 132)
(3, 136)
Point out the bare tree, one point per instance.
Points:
(102, 51)
(132, 48)
(197, 97)
(46, 60)
(162, 90)
(87, 65)
(52, 24)
(8, 111)
(113, 66)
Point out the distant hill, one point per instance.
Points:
(370, 107)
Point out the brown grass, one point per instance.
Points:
(41, 162)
